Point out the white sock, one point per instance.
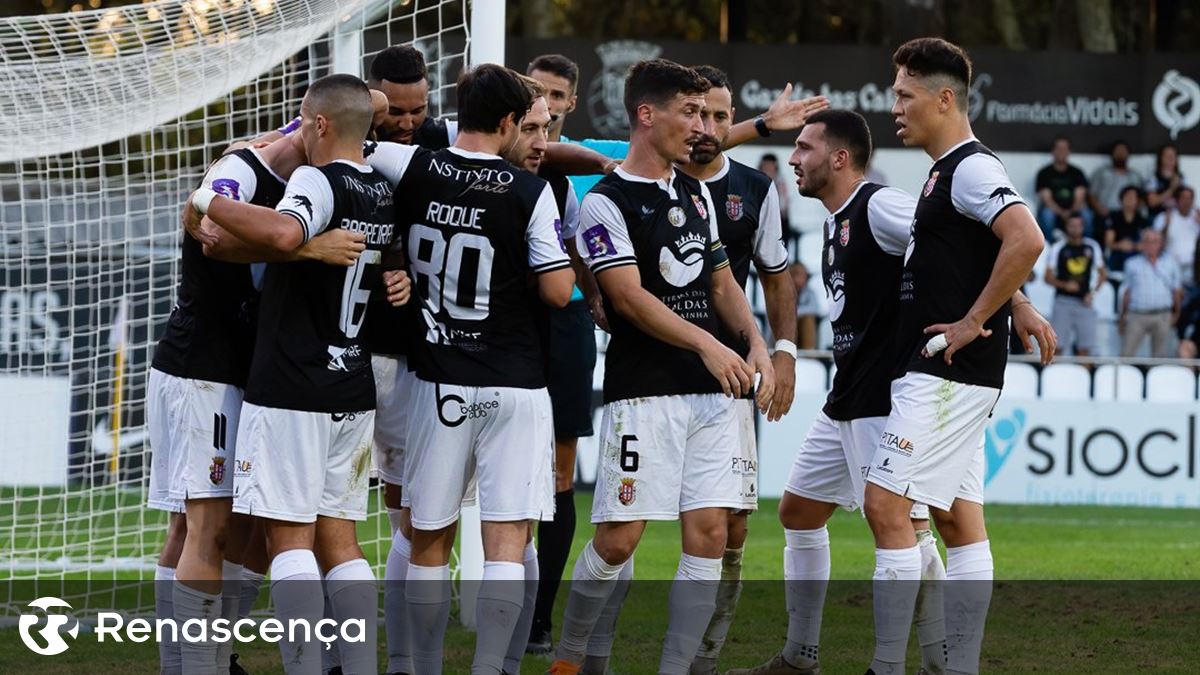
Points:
(969, 571)
(169, 660)
(394, 517)
(929, 615)
(520, 636)
(592, 582)
(728, 592)
(199, 658)
(331, 654)
(251, 586)
(690, 606)
(295, 590)
(599, 646)
(395, 609)
(897, 580)
(353, 595)
(806, 570)
(497, 610)
(427, 590)
(231, 595)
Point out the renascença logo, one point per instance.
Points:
(50, 633)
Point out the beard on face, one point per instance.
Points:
(814, 181)
(705, 149)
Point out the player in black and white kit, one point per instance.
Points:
(669, 434)
(476, 229)
(310, 395)
(974, 243)
(746, 205)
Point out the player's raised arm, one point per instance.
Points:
(302, 213)
(783, 115)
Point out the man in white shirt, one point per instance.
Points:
(1180, 228)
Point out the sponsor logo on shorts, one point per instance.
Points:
(897, 444)
(216, 471)
(243, 467)
(744, 466)
(884, 465)
(347, 416)
(458, 411)
(626, 492)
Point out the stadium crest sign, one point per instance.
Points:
(606, 93)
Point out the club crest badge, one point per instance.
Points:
(676, 217)
(844, 236)
(626, 492)
(216, 471)
(930, 183)
(734, 208)
(700, 206)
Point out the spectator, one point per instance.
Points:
(1062, 189)
(807, 308)
(1152, 297)
(1070, 269)
(1162, 186)
(1189, 329)
(1108, 181)
(769, 164)
(1180, 227)
(1123, 230)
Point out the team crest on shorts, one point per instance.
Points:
(216, 471)
(844, 236)
(626, 493)
(930, 183)
(733, 207)
(676, 217)
(700, 206)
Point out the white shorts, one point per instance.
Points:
(931, 449)
(663, 455)
(193, 434)
(833, 459)
(746, 464)
(394, 384)
(500, 437)
(296, 465)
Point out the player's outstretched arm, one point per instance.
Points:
(336, 247)
(256, 226)
(783, 115)
(576, 160)
(780, 294)
(734, 311)
(623, 287)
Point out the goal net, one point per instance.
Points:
(107, 120)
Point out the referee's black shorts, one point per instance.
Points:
(572, 360)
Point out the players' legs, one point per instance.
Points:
(501, 593)
(554, 542)
(170, 661)
(520, 632)
(295, 588)
(929, 612)
(592, 583)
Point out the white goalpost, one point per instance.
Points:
(108, 119)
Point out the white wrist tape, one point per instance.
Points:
(201, 198)
(786, 346)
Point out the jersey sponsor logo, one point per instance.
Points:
(627, 491)
(344, 359)
(844, 236)
(930, 183)
(837, 294)
(1002, 193)
(897, 444)
(216, 470)
(734, 208)
(675, 216)
(227, 187)
(682, 269)
(699, 202)
(301, 200)
(479, 179)
(599, 242)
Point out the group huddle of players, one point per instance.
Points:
(370, 277)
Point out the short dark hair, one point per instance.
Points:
(928, 56)
(657, 81)
(846, 129)
(1185, 188)
(768, 157)
(1060, 137)
(1072, 215)
(1120, 141)
(344, 99)
(487, 94)
(402, 64)
(557, 64)
(716, 77)
(1137, 190)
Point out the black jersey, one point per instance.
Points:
(435, 134)
(475, 228)
(747, 210)
(210, 333)
(950, 260)
(667, 229)
(310, 354)
(861, 263)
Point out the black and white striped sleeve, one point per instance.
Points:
(982, 189)
(603, 238)
(308, 199)
(770, 254)
(544, 235)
